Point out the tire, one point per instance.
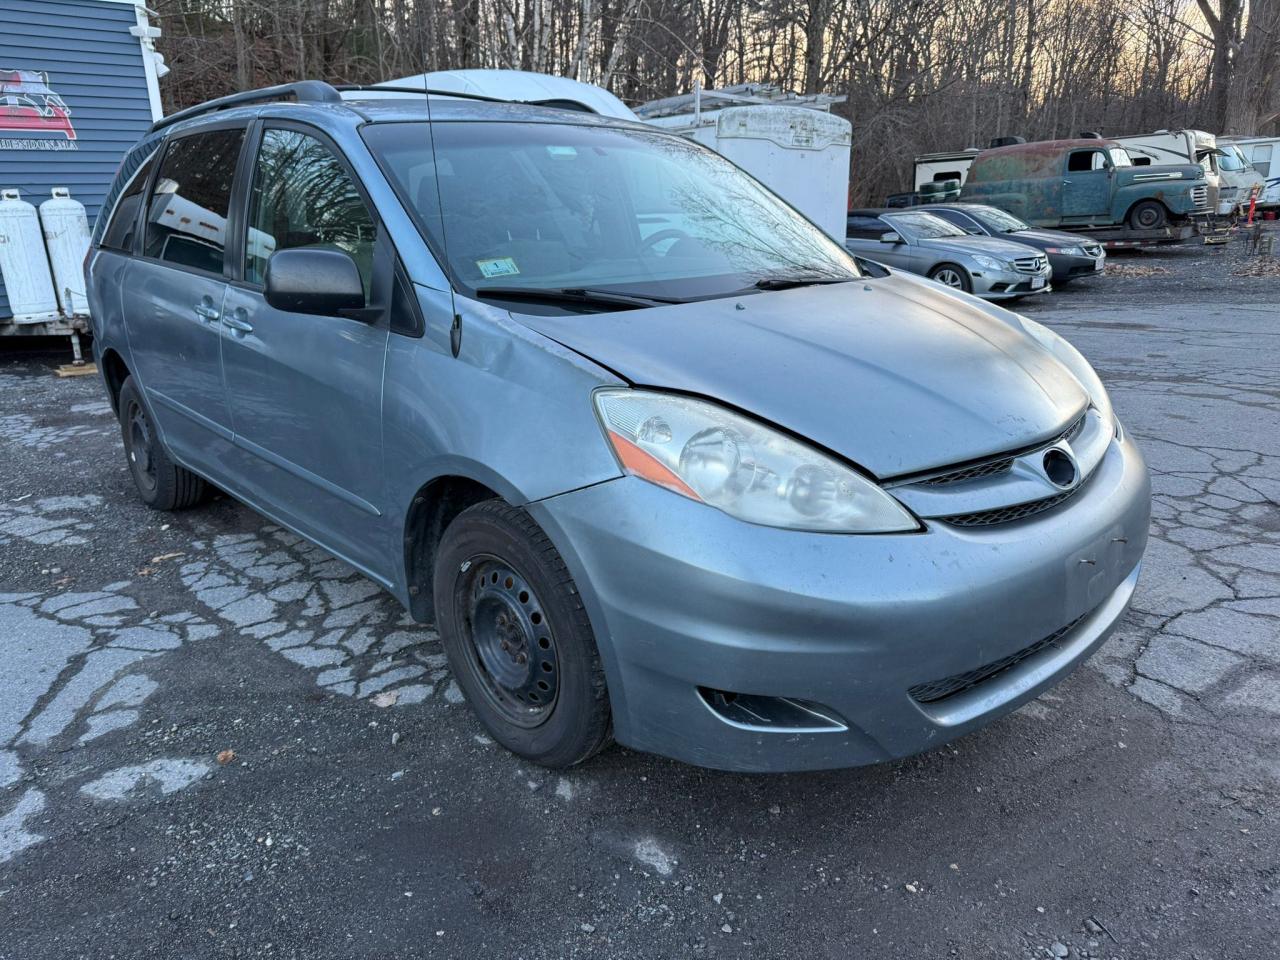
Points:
(161, 483)
(1148, 215)
(503, 592)
(953, 276)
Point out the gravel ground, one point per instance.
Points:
(200, 755)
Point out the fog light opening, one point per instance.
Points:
(751, 711)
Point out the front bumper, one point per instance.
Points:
(1071, 267)
(1008, 285)
(682, 597)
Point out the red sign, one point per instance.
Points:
(28, 106)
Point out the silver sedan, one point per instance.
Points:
(924, 243)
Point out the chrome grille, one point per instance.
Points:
(1030, 264)
(936, 690)
(1092, 250)
(1200, 196)
(998, 465)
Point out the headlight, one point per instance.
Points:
(991, 263)
(1072, 359)
(748, 470)
(1066, 251)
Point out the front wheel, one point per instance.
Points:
(517, 637)
(161, 483)
(950, 275)
(1148, 215)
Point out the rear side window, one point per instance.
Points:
(865, 228)
(120, 229)
(187, 213)
(304, 197)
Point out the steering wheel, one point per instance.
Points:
(670, 233)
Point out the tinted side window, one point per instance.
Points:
(187, 213)
(304, 197)
(120, 230)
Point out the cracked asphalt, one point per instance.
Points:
(217, 741)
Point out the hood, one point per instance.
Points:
(1047, 238)
(997, 247)
(891, 374)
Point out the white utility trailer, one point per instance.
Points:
(79, 84)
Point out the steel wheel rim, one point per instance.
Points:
(949, 278)
(1147, 217)
(140, 459)
(509, 641)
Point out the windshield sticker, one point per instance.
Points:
(562, 151)
(501, 267)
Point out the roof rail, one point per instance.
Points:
(420, 91)
(304, 91)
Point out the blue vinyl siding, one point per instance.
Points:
(96, 66)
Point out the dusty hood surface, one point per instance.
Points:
(888, 373)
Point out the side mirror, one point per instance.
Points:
(322, 282)
(890, 236)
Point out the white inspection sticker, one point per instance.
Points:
(501, 267)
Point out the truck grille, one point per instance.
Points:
(936, 690)
(1030, 264)
(1200, 196)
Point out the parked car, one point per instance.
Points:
(924, 243)
(1088, 184)
(710, 490)
(1070, 256)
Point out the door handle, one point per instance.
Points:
(237, 324)
(207, 313)
(1066, 181)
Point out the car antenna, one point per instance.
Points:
(455, 328)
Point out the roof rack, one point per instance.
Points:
(304, 91)
(420, 91)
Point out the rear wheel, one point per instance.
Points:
(517, 636)
(161, 483)
(1148, 215)
(950, 275)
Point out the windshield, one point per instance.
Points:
(1231, 159)
(1119, 157)
(563, 206)
(996, 220)
(922, 226)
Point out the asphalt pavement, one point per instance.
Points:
(217, 741)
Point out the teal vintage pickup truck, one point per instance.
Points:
(1092, 186)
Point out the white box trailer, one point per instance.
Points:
(79, 84)
(790, 143)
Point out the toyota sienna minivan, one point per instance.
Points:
(658, 460)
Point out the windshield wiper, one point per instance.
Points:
(583, 296)
(786, 283)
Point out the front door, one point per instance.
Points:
(174, 296)
(1086, 185)
(306, 391)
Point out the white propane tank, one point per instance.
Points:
(24, 267)
(66, 237)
